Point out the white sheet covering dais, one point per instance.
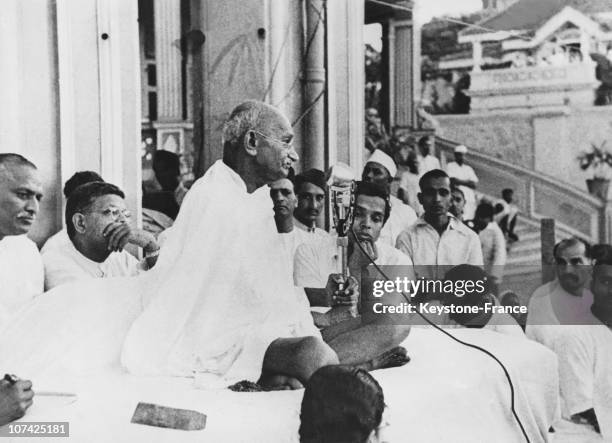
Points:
(447, 393)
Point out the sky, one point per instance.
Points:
(427, 9)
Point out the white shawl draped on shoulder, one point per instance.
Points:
(218, 296)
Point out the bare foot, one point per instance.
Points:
(390, 359)
(279, 382)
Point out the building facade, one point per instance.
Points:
(98, 84)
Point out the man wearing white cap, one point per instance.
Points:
(464, 177)
(380, 169)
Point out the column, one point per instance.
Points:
(167, 15)
(477, 55)
(314, 87)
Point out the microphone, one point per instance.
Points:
(341, 185)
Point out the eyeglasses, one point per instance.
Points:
(115, 213)
(285, 144)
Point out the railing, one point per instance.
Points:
(576, 212)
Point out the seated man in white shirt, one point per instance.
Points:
(310, 191)
(438, 241)
(318, 269)
(78, 178)
(465, 178)
(21, 270)
(565, 300)
(380, 169)
(98, 229)
(284, 203)
(585, 358)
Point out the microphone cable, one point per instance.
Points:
(469, 345)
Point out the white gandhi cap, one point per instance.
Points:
(381, 158)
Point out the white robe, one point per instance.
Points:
(218, 296)
(21, 274)
(585, 372)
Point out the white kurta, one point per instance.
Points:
(21, 274)
(585, 372)
(401, 218)
(65, 264)
(493, 245)
(427, 164)
(224, 293)
(464, 172)
(434, 254)
(314, 262)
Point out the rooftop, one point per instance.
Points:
(529, 15)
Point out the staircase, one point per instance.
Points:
(523, 271)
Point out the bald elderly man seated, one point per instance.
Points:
(21, 270)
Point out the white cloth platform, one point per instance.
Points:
(447, 393)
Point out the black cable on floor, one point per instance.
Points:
(469, 345)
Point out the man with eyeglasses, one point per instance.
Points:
(97, 223)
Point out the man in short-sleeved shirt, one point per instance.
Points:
(465, 178)
(438, 241)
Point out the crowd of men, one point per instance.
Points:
(433, 229)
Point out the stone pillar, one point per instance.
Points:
(547, 239)
(477, 56)
(402, 63)
(168, 60)
(314, 87)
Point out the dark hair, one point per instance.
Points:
(423, 140)
(374, 190)
(604, 259)
(314, 176)
(165, 161)
(507, 192)
(341, 404)
(83, 196)
(572, 241)
(78, 179)
(458, 190)
(484, 210)
(15, 159)
(434, 173)
(601, 252)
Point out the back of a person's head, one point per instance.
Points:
(80, 178)
(485, 210)
(83, 196)
(166, 161)
(341, 404)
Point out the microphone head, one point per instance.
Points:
(340, 175)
